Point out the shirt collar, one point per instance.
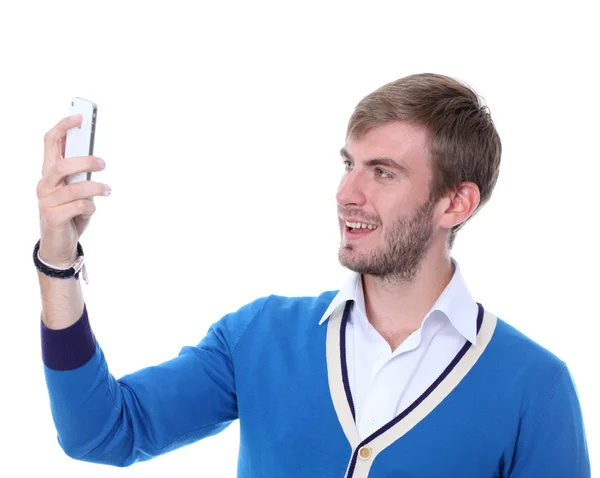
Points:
(455, 302)
(351, 290)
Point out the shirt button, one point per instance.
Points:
(364, 453)
(371, 420)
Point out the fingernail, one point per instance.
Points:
(74, 117)
(101, 163)
(107, 191)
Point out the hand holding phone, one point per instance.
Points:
(80, 139)
(66, 209)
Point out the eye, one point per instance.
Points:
(382, 174)
(348, 164)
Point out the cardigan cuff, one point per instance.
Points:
(70, 348)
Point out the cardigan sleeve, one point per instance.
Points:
(555, 445)
(112, 421)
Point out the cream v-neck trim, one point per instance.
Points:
(364, 452)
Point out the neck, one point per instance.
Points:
(396, 307)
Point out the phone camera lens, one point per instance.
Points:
(72, 103)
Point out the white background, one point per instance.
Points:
(221, 122)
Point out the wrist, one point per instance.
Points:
(59, 263)
(64, 265)
(64, 270)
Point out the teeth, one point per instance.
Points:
(360, 225)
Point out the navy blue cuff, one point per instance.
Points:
(70, 348)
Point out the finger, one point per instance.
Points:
(63, 146)
(54, 139)
(65, 167)
(74, 192)
(60, 215)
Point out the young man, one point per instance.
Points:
(399, 373)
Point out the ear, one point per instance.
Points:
(459, 204)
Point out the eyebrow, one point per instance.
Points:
(385, 162)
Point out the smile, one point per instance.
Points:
(360, 225)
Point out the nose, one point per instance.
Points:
(351, 190)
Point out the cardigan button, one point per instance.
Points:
(364, 453)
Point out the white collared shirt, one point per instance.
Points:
(384, 383)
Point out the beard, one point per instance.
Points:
(399, 260)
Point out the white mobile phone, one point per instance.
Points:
(80, 140)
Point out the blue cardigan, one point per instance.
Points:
(505, 406)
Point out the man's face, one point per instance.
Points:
(385, 187)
